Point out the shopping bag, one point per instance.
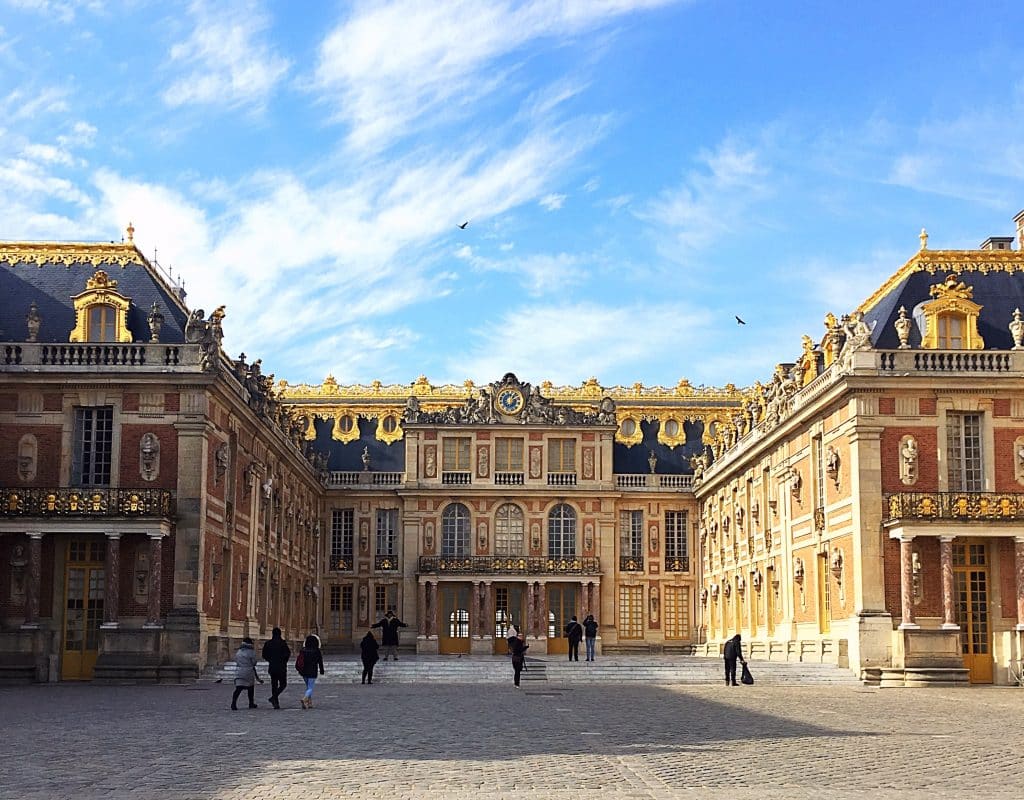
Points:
(746, 678)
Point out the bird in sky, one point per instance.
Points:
(739, 321)
(463, 225)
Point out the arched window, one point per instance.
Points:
(102, 324)
(508, 530)
(562, 532)
(455, 530)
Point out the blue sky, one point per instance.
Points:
(634, 172)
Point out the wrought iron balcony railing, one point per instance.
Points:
(677, 563)
(956, 506)
(340, 563)
(631, 563)
(92, 502)
(509, 565)
(385, 563)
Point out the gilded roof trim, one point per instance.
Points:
(68, 253)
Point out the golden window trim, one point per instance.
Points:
(960, 307)
(100, 291)
(667, 439)
(383, 435)
(631, 439)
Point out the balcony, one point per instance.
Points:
(654, 482)
(508, 478)
(340, 563)
(903, 362)
(459, 478)
(87, 356)
(955, 506)
(365, 478)
(508, 565)
(97, 502)
(631, 563)
(386, 563)
(677, 563)
(561, 479)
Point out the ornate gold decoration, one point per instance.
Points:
(338, 433)
(665, 436)
(396, 433)
(629, 432)
(100, 290)
(923, 236)
(952, 298)
(100, 502)
(965, 506)
(66, 254)
(808, 360)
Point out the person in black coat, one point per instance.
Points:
(312, 665)
(732, 653)
(518, 648)
(389, 626)
(277, 654)
(368, 647)
(574, 631)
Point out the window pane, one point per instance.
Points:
(455, 530)
(387, 531)
(675, 534)
(508, 530)
(631, 526)
(562, 532)
(342, 533)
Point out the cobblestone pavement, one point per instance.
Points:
(481, 742)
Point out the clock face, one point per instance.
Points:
(510, 401)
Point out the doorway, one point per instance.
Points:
(84, 588)
(455, 619)
(508, 611)
(970, 576)
(562, 600)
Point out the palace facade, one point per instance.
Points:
(159, 500)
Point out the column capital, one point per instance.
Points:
(949, 539)
(37, 535)
(156, 535)
(1018, 539)
(113, 535)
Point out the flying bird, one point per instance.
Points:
(463, 225)
(739, 321)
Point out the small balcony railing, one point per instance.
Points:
(508, 565)
(385, 563)
(640, 480)
(561, 479)
(957, 506)
(900, 362)
(508, 478)
(456, 478)
(93, 502)
(631, 563)
(342, 563)
(366, 478)
(138, 355)
(677, 563)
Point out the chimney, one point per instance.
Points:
(1019, 219)
(999, 242)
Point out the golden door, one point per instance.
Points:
(508, 611)
(83, 612)
(970, 573)
(562, 599)
(455, 620)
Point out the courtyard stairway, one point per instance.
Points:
(691, 670)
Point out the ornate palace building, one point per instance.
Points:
(159, 499)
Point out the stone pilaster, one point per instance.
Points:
(112, 581)
(530, 593)
(1018, 549)
(35, 576)
(488, 610)
(907, 582)
(948, 590)
(156, 571)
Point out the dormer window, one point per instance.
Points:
(951, 331)
(951, 319)
(101, 312)
(102, 325)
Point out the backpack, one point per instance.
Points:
(300, 661)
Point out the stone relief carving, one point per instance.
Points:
(28, 457)
(535, 536)
(588, 462)
(481, 533)
(364, 594)
(588, 537)
(428, 537)
(430, 461)
(535, 462)
(655, 604)
(832, 464)
(483, 465)
(908, 460)
(1018, 459)
(149, 456)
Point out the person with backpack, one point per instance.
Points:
(389, 626)
(574, 631)
(732, 652)
(590, 635)
(518, 647)
(277, 654)
(245, 673)
(310, 663)
(368, 648)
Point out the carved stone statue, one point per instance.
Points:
(903, 325)
(366, 458)
(156, 322)
(832, 465)
(908, 461)
(149, 456)
(220, 462)
(208, 334)
(858, 337)
(412, 410)
(33, 320)
(652, 461)
(1017, 330)
(606, 412)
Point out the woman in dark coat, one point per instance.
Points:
(732, 652)
(369, 649)
(312, 665)
(518, 648)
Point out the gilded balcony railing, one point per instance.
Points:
(958, 506)
(385, 563)
(93, 502)
(340, 563)
(631, 563)
(509, 565)
(677, 563)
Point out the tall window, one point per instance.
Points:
(455, 456)
(387, 531)
(508, 530)
(342, 536)
(561, 455)
(951, 331)
(819, 472)
(675, 536)
(508, 455)
(93, 447)
(963, 439)
(562, 532)
(631, 534)
(631, 612)
(677, 612)
(102, 324)
(385, 596)
(455, 530)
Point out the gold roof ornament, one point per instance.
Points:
(923, 236)
(68, 253)
(131, 233)
(100, 281)
(952, 289)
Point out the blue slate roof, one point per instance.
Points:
(348, 456)
(671, 461)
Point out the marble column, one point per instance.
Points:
(907, 582)
(155, 580)
(476, 613)
(424, 626)
(489, 621)
(430, 600)
(112, 581)
(948, 589)
(1018, 549)
(35, 577)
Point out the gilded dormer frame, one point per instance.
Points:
(952, 297)
(100, 289)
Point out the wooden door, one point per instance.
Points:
(562, 601)
(970, 573)
(84, 588)
(509, 609)
(455, 618)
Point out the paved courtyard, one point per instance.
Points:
(545, 741)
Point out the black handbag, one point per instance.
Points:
(746, 678)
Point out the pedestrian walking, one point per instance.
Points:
(575, 632)
(245, 673)
(389, 626)
(590, 627)
(310, 663)
(277, 654)
(368, 647)
(518, 648)
(732, 653)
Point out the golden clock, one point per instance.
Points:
(510, 401)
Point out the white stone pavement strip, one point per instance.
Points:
(483, 742)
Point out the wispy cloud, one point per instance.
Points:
(59, 10)
(227, 58)
(23, 104)
(539, 274)
(552, 202)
